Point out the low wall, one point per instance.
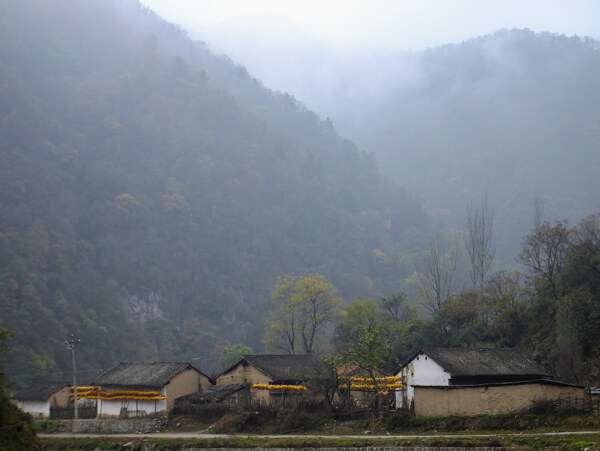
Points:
(489, 399)
(116, 426)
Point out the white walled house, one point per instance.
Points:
(419, 370)
(39, 397)
(162, 382)
(444, 367)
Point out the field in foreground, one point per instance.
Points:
(569, 441)
(247, 430)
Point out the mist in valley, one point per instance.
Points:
(456, 104)
(167, 165)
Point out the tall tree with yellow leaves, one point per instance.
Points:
(304, 307)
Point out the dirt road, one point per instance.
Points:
(200, 435)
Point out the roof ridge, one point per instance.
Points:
(40, 390)
(275, 355)
(160, 376)
(510, 360)
(155, 361)
(256, 361)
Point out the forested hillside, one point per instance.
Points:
(514, 115)
(150, 199)
(550, 312)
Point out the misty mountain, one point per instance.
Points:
(149, 198)
(514, 116)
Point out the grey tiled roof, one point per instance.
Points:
(280, 367)
(284, 367)
(40, 391)
(484, 362)
(146, 374)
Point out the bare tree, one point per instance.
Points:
(435, 277)
(479, 244)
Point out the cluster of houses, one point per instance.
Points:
(434, 381)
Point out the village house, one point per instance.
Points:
(38, 398)
(496, 398)
(262, 371)
(141, 388)
(473, 381)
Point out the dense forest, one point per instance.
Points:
(550, 310)
(160, 203)
(514, 115)
(148, 208)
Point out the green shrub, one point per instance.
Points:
(17, 431)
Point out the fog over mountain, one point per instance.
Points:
(512, 115)
(391, 25)
(152, 192)
(154, 186)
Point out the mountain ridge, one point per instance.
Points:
(148, 209)
(512, 115)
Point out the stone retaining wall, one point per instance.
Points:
(115, 426)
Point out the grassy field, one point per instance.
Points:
(523, 431)
(391, 422)
(568, 442)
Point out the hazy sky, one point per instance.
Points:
(391, 24)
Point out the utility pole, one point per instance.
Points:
(71, 347)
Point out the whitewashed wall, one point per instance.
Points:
(38, 409)
(420, 371)
(112, 408)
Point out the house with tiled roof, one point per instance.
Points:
(470, 381)
(38, 398)
(141, 388)
(268, 370)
